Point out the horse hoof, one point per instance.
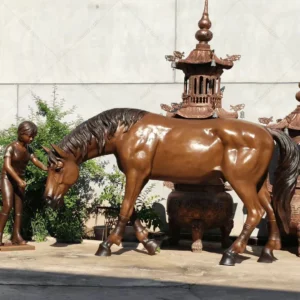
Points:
(267, 256)
(228, 259)
(103, 251)
(151, 246)
(264, 258)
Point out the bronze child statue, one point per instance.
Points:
(16, 157)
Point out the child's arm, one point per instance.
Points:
(10, 170)
(38, 163)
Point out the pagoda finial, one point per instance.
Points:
(206, 7)
(204, 35)
(298, 95)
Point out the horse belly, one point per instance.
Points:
(178, 166)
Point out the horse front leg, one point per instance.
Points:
(135, 181)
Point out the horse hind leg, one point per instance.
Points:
(135, 181)
(247, 192)
(274, 241)
(142, 235)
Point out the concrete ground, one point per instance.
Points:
(61, 271)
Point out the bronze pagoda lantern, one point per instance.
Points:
(202, 95)
(207, 205)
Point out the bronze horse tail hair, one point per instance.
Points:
(286, 175)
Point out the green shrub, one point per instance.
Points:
(39, 228)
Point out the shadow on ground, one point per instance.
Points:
(36, 285)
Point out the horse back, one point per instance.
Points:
(189, 150)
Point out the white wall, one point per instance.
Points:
(110, 53)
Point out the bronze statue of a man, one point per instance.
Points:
(16, 157)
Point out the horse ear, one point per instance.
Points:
(47, 150)
(61, 153)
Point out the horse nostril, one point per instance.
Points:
(48, 200)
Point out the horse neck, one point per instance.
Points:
(93, 151)
(110, 146)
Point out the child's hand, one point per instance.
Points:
(22, 184)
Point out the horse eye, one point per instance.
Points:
(57, 170)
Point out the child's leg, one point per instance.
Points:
(16, 236)
(7, 197)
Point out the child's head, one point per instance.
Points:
(27, 128)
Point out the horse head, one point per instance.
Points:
(63, 172)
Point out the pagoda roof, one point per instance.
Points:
(292, 121)
(196, 112)
(200, 55)
(199, 112)
(223, 114)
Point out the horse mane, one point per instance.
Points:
(102, 126)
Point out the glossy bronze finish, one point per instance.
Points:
(201, 208)
(291, 125)
(151, 146)
(16, 157)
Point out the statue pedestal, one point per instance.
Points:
(11, 247)
(200, 207)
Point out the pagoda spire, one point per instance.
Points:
(204, 35)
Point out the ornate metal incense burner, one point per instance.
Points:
(212, 211)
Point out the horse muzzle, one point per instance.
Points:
(54, 203)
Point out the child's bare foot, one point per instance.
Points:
(18, 240)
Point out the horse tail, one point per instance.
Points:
(286, 175)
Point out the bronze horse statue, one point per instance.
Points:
(151, 146)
